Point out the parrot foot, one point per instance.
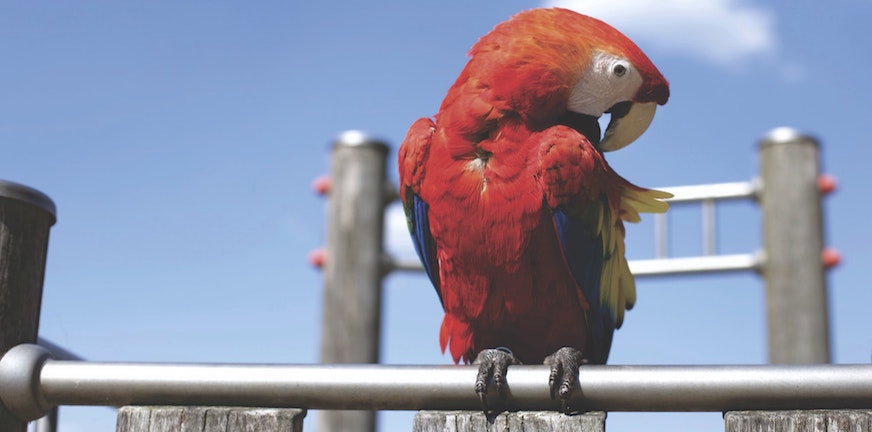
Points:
(493, 364)
(564, 374)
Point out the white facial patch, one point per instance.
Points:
(607, 80)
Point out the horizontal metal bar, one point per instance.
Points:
(387, 387)
(612, 388)
(694, 265)
(713, 191)
(706, 193)
(409, 265)
(660, 266)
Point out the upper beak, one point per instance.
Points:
(629, 120)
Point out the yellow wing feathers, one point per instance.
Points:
(635, 200)
(617, 286)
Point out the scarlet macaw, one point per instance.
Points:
(513, 210)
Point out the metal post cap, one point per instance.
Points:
(784, 135)
(356, 138)
(29, 195)
(19, 381)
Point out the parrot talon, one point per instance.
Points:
(564, 374)
(493, 365)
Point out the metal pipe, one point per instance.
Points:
(661, 266)
(613, 388)
(713, 191)
(709, 230)
(388, 387)
(661, 235)
(708, 195)
(694, 265)
(48, 422)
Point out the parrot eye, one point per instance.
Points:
(619, 70)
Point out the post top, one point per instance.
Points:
(29, 195)
(356, 138)
(786, 135)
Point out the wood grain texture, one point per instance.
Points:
(209, 419)
(24, 230)
(799, 421)
(520, 421)
(351, 323)
(796, 286)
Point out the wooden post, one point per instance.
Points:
(25, 218)
(793, 237)
(209, 419)
(520, 421)
(353, 270)
(799, 421)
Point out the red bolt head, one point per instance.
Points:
(826, 184)
(317, 257)
(322, 185)
(830, 257)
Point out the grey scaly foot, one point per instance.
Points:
(492, 364)
(564, 374)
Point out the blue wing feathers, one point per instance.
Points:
(419, 227)
(583, 252)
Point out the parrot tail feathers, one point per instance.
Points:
(456, 336)
(635, 200)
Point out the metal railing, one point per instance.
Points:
(32, 383)
(706, 195)
(49, 422)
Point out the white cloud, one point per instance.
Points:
(725, 32)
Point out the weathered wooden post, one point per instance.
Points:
(519, 421)
(351, 320)
(208, 419)
(25, 218)
(796, 287)
(793, 237)
(799, 421)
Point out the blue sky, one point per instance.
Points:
(179, 142)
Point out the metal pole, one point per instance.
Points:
(655, 267)
(712, 191)
(661, 236)
(48, 422)
(32, 384)
(25, 218)
(709, 228)
(796, 289)
(353, 271)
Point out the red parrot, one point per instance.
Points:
(514, 212)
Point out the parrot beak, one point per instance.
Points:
(629, 120)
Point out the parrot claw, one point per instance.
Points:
(493, 364)
(564, 374)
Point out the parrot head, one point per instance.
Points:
(556, 63)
